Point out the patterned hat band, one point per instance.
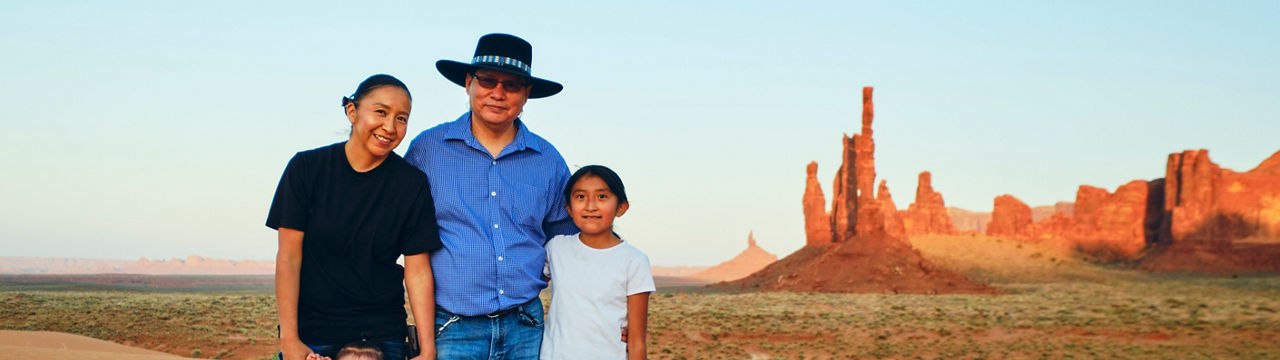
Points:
(500, 61)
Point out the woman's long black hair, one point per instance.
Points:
(374, 82)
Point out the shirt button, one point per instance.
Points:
(495, 226)
(501, 292)
(493, 193)
(499, 258)
(495, 162)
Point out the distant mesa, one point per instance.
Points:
(973, 222)
(192, 265)
(857, 247)
(676, 271)
(748, 261)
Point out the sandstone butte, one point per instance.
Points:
(928, 214)
(975, 222)
(748, 261)
(860, 255)
(1199, 217)
(1010, 217)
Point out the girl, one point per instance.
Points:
(600, 283)
(345, 212)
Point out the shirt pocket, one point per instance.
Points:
(527, 207)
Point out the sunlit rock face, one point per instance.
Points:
(928, 214)
(1010, 217)
(1207, 205)
(817, 223)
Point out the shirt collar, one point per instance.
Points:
(460, 129)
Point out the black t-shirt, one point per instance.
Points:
(355, 225)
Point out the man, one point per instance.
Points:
(497, 189)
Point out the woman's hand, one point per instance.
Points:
(426, 354)
(295, 350)
(418, 281)
(288, 269)
(314, 356)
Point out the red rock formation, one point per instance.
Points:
(1056, 226)
(1110, 226)
(854, 209)
(844, 207)
(868, 264)
(1191, 180)
(1010, 217)
(893, 223)
(1210, 206)
(817, 223)
(869, 218)
(928, 214)
(864, 257)
(748, 261)
(1217, 220)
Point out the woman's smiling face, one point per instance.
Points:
(378, 122)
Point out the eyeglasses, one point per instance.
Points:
(490, 83)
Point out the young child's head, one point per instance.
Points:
(359, 350)
(595, 196)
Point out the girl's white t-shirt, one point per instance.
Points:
(589, 289)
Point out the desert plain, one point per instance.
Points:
(1046, 305)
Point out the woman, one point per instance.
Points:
(345, 212)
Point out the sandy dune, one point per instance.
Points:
(48, 345)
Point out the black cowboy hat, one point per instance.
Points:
(500, 52)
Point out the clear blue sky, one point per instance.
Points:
(159, 129)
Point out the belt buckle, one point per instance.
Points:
(494, 315)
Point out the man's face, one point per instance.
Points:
(492, 101)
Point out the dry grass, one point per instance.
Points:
(207, 325)
(1156, 319)
(1051, 306)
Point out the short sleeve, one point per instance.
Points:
(557, 220)
(421, 233)
(552, 246)
(639, 277)
(289, 207)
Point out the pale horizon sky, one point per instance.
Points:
(159, 129)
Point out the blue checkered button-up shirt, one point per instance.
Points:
(495, 215)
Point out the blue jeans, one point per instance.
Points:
(391, 350)
(513, 335)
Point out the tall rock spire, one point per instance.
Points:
(817, 224)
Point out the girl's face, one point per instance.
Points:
(378, 123)
(593, 206)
